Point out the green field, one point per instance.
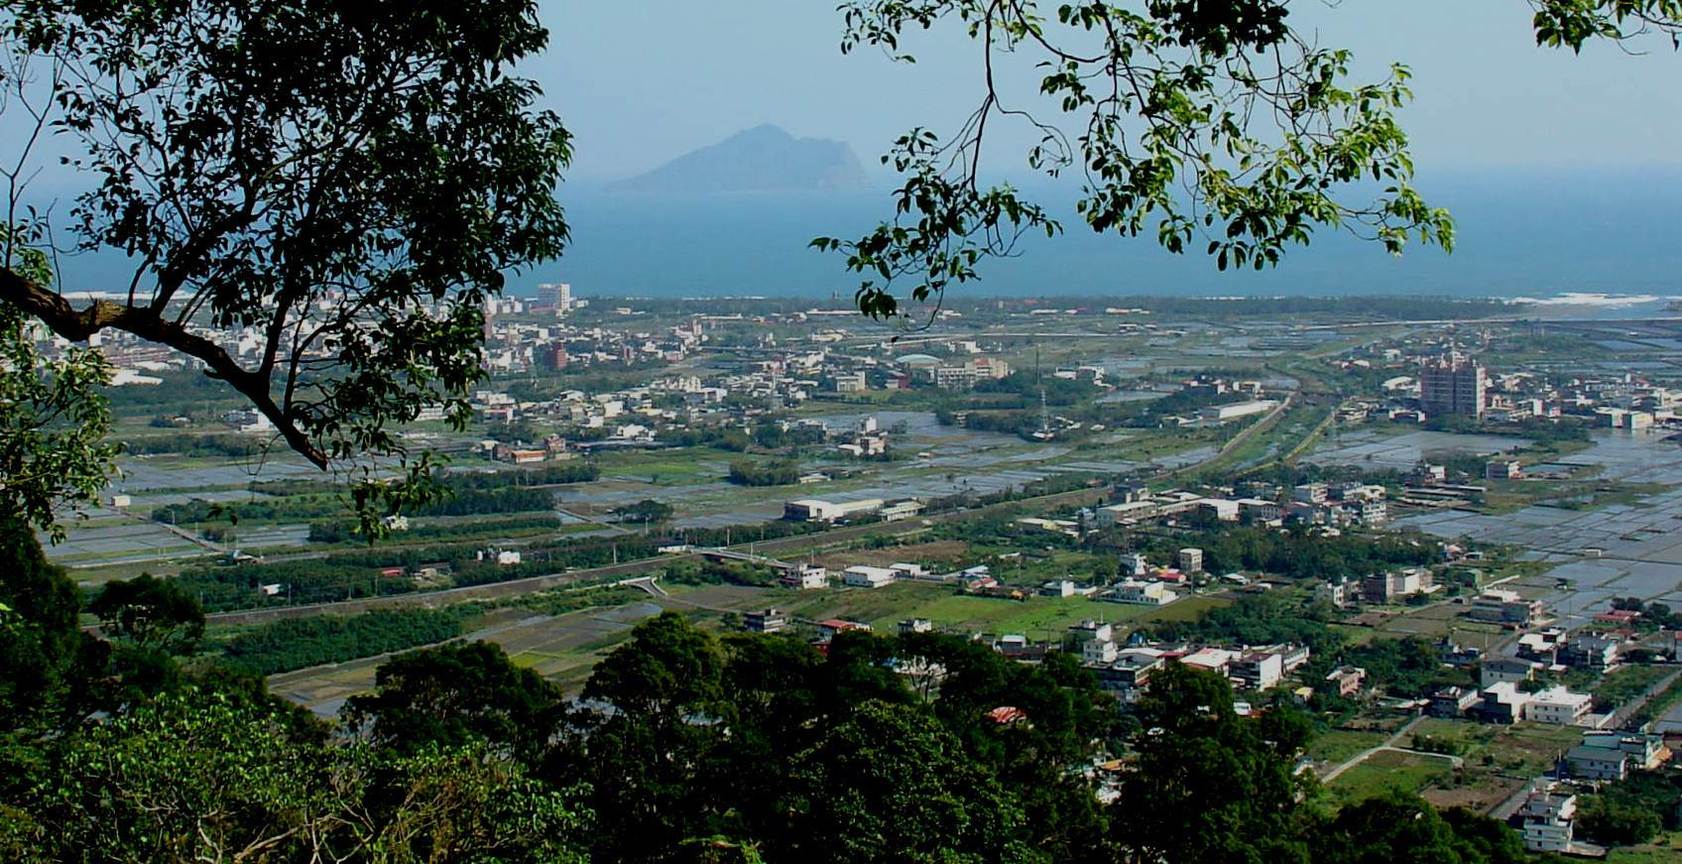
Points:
(1337, 745)
(1388, 770)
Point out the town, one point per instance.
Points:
(1449, 542)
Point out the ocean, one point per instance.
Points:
(1538, 234)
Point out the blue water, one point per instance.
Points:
(1521, 234)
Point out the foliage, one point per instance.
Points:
(1198, 123)
(355, 210)
(451, 695)
(296, 643)
(53, 417)
(201, 776)
(150, 613)
(777, 472)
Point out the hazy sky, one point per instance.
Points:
(641, 81)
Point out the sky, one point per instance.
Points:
(1560, 169)
(642, 81)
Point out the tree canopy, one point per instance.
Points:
(350, 181)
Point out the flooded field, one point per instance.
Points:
(1616, 550)
(1376, 450)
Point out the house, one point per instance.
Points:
(1452, 702)
(1347, 679)
(1558, 706)
(765, 620)
(1134, 565)
(1501, 669)
(1610, 754)
(1130, 674)
(827, 629)
(865, 576)
(1548, 816)
(1058, 588)
(1596, 763)
(1191, 560)
(1335, 593)
(1503, 702)
(1591, 652)
(916, 625)
(908, 571)
(806, 577)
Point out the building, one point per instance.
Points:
(1503, 702)
(1583, 762)
(1191, 560)
(1311, 493)
(1452, 702)
(1612, 754)
(1335, 593)
(1141, 593)
(555, 296)
(1501, 669)
(1502, 469)
(1453, 386)
(850, 382)
(915, 625)
(900, 510)
(765, 620)
(1347, 679)
(806, 577)
(1548, 816)
(1590, 652)
(814, 510)
(1258, 670)
(1134, 564)
(1500, 606)
(1558, 706)
(1395, 585)
(1130, 511)
(1237, 410)
(865, 576)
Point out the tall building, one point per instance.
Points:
(555, 296)
(1453, 385)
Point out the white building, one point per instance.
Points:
(814, 510)
(865, 576)
(1558, 706)
(1548, 817)
(1143, 593)
(1191, 560)
(807, 577)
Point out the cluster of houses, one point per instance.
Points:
(1547, 818)
(1435, 379)
(1509, 688)
(1331, 504)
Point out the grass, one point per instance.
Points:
(1389, 770)
(1624, 685)
(1338, 745)
(1665, 849)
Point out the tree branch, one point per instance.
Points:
(79, 324)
